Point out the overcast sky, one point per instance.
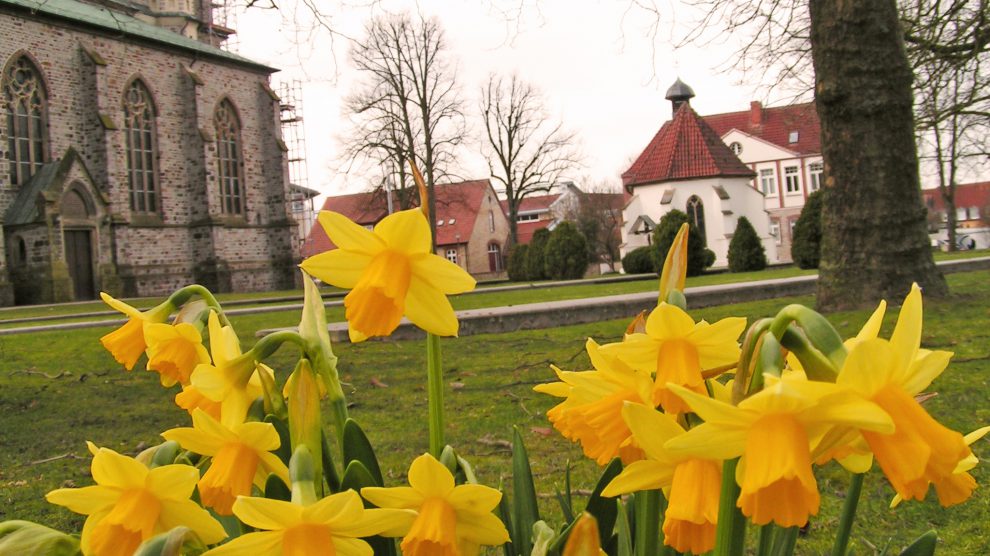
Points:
(596, 63)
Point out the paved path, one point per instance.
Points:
(552, 313)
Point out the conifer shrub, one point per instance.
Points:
(663, 238)
(535, 253)
(746, 252)
(806, 245)
(517, 263)
(566, 255)
(640, 260)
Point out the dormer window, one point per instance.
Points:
(736, 148)
(793, 137)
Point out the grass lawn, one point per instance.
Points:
(58, 389)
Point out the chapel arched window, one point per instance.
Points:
(696, 215)
(229, 159)
(142, 147)
(24, 106)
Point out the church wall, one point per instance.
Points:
(188, 238)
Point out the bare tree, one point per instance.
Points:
(407, 106)
(528, 153)
(598, 215)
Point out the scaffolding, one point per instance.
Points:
(290, 107)
(223, 17)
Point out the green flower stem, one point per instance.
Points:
(766, 539)
(819, 331)
(784, 541)
(182, 295)
(848, 514)
(730, 535)
(434, 374)
(647, 511)
(271, 342)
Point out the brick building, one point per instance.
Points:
(137, 155)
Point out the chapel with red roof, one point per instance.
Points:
(688, 167)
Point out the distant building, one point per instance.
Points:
(138, 155)
(472, 230)
(534, 213)
(972, 202)
(687, 167)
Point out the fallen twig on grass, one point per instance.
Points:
(67, 455)
(40, 373)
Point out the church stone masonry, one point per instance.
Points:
(135, 155)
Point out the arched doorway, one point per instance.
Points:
(77, 212)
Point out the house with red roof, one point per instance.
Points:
(782, 145)
(534, 213)
(688, 167)
(471, 228)
(972, 202)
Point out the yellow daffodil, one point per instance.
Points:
(773, 431)
(229, 379)
(921, 451)
(677, 349)
(961, 485)
(391, 271)
(692, 483)
(451, 520)
(192, 399)
(241, 457)
(130, 503)
(174, 351)
(584, 538)
(591, 412)
(333, 525)
(127, 343)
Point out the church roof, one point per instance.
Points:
(458, 205)
(685, 148)
(119, 23)
(775, 125)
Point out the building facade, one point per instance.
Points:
(137, 155)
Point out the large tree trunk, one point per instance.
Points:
(875, 242)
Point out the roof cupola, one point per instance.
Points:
(679, 93)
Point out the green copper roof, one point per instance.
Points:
(100, 17)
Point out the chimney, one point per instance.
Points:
(755, 113)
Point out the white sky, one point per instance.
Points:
(594, 61)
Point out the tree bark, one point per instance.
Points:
(875, 242)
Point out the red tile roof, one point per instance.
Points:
(775, 125)
(532, 203)
(966, 195)
(458, 205)
(684, 148)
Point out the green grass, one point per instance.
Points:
(86, 395)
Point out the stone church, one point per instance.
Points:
(136, 155)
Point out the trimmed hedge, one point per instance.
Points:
(535, 255)
(699, 257)
(517, 263)
(806, 245)
(566, 255)
(746, 251)
(640, 260)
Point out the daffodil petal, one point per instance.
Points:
(118, 305)
(401, 497)
(173, 481)
(385, 522)
(260, 436)
(345, 234)
(351, 547)
(343, 507)
(193, 440)
(406, 231)
(712, 411)
(871, 329)
(650, 428)
(430, 477)
(442, 274)
(668, 321)
(482, 529)
(112, 469)
(717, 343)
(175, 513)
(474, 498)
(639, 351)
(265, 513)
(709, 442)
(852, 410)
(265, 543)
(640, 475)
(907, 332)
(924, 370)
(429, 309)
(339, 267)
(85, 500)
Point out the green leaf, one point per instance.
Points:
(356, 476)
(25, 537)
(542, 536)
(624, 545)
(329, 471)
(284, 451)
(565, 499)
(923, 545)
(177, 542)
(604, 508)
(505, 512)
(358, 448)
(525, 511)
(276, 489)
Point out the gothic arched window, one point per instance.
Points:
(24, 103)
(142, 147)
(229, 159)
(696, 215)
